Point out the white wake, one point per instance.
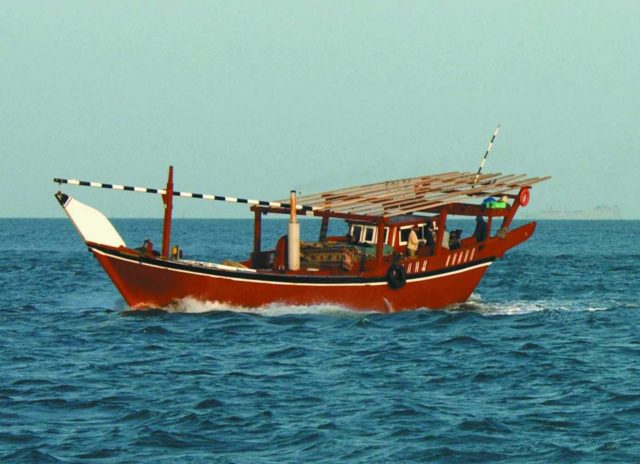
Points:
(492, 308)
(474, 304)
(193, 306)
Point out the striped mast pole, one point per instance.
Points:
(486, 153)
(176, 193)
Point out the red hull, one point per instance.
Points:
(432, 282)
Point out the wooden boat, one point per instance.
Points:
(367, 268)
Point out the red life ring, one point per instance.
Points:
(524, 197)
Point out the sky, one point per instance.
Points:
(256, 98)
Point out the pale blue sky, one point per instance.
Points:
(256, 98)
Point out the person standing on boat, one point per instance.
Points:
(480, 232)
(413, 242)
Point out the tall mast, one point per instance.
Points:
(167, 199)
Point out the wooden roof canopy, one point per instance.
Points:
(404, 196)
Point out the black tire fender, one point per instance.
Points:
(396, 276)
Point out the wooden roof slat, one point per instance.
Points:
(529, 182)
(411, 191)
(395, 204)
(456, 197)
(331, 203)
(369, 188)
(376, 187)
(451, 193)
(451, 190)
(404, 196)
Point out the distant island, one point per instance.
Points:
(602, 212)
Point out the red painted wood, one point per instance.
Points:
(167, 199)
(154, 286)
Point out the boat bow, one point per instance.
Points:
(90, 223)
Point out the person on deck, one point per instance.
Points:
(480, 233)
(413, 242)
(430, 236)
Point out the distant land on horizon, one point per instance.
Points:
(601, 212)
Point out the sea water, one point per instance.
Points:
(541, 365)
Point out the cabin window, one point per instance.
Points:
(369, 234)
(406, 230)
(365, 234)
(356, 233)
(404, 235)
(386, 235)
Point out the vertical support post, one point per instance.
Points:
(506, 222)
(489, 221)
(293, 239)
(380, 243)
(442, 226)
(324, 226)
(167, 199)
(257, 233)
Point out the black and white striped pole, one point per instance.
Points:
(486, 153)
(202, 196)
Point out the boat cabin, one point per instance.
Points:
(378, 225)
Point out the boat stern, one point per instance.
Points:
(514, 238)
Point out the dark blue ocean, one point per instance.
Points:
(541, 365)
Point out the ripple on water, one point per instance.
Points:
(545, 349)
(209, 403)
(31, 454)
